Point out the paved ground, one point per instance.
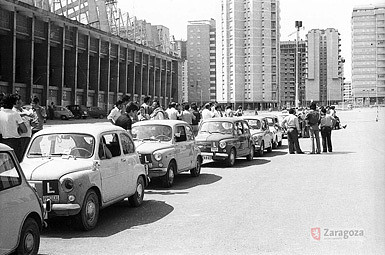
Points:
(267, 206)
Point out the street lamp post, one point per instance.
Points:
(298, 25)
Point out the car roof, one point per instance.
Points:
(159, 122)
(253, 117)
(229, 119)
(4, 147)
(93, 129)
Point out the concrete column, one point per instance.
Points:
(97, 90)
(13, 32)
(32, 49)
(46, 86)
(74, 97)
(61, 86)
(88, 69)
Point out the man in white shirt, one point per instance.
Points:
(207, 113)
(115, 112)
(172, 111)
(292, 125)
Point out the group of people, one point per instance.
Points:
(17, 124)
(126, 112)
(322, 120)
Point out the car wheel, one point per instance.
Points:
(63, 117)
(89, 213)
(230, 161)
(137, 199)
(29, 238)
(101, 116)
(168, 179)
(196, 171)
(261, 150)
(251, 155)
(269, 149)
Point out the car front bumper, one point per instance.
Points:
(214, 155)
(156, 172)
(63, 209)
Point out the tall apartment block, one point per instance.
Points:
(324, 82)
(181, 51)
(368, 55)
(250, 54)
(201, 57)
(288, 72)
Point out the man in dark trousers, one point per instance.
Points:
(125, 120)
(292, 125)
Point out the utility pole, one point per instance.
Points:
(298, 25)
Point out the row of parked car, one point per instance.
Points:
(78, 169)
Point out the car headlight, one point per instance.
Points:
(256, 139)
(68, 185)
(222, 144)
(158, 156)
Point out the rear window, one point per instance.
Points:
(9, 176)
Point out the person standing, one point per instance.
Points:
(196, 120)
(116, 112)
(326, 130)
(11, 126)
(239, 112)
(229, 111)
(313, 119)
(292, 124)
(142, 115)
(38, 119)
(186, 115)
(172, 112)
(146, 105)
(125, 119)
(206, 112)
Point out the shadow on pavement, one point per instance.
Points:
(274, 153)
(182, 182)
(112, 220)
(239, 163)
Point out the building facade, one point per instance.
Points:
(288, 72)
(368, 55)
(201, 57)
(324, 83)
(348, 94)
(65, 62)
(250, 54)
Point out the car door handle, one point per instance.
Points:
(123, 160)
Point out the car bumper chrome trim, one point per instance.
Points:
(215, 155)
(155, 172)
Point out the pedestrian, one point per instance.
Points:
(196, 120)
(51, 111)
(142, 115)
(26, 116)
(207, 113)
(172, 112)
(217, 111)
(186, 115)
(158, 113)
(116, 111)
(229, 111)
(313, 118)
(125, 119)
(326, 124)
(239, 112)
(292, 125)
(37, 122)
(147, 105)
(11, 126)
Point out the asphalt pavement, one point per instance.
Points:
(331, 203)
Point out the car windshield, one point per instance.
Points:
(60, 108)
(223, 127)
(58, 145)
(152, 132)
(254, 124)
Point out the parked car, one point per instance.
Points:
(21, 210)
(61, 112)
(82, 168)
(168, 148)
(79, 111)
(225, 139)
(275, 128)
(96, 112)
(260, 133)
(28, 107)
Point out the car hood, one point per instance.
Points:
(149, 147)
(207, 137)
(53, 168)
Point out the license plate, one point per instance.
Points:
(207, 157)
(214, 149)
(53, 198)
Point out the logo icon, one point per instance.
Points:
(316, 233)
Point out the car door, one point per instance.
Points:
(241, 138)
(183, 148)
(246, 132)
(111, 166)
(131, 159)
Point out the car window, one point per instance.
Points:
(223, 127)
(245, 127)
(254, 124)
(152, 132)
(180, 134)
(189, 133)
(112, 144)
(9, 176)
(127, 144)
(239, 128)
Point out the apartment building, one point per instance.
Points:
(201, 57)
(368, 54)
(250, 54)
(324, 83)
(288, 72)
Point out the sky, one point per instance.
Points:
(314, 14)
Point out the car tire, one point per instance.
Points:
(196, 171)
(230, 161)
(63, 117)
(29, 238)
(261, 150)
(89, 214)
(251, 155)
(168, 178)
(137, 199)
(101, 116)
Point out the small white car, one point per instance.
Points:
(21, 210)
(82, 168)
(260, 133)
(275, 128)
(168, 148)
